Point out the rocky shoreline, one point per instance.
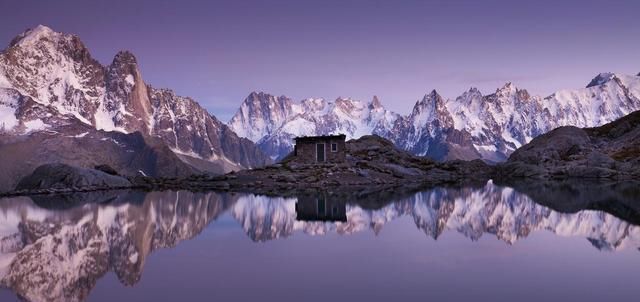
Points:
(373, 164)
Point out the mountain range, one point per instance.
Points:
(59, 104)
(471, 126)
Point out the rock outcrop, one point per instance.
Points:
(372, 163)
(82, 146)
(610, 151)
(58, 176)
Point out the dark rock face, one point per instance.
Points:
(188, 128)
(609, 151)
(56, 176)
(80, 145)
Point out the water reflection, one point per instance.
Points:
(58, 254)
(56, 250)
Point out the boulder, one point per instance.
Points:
(61, 176)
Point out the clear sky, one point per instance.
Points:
(219, 51)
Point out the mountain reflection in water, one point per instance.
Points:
(56, 250)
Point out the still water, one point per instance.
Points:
(557, 242)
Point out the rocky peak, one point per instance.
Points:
(124, 57)
(346, 104)
(431, 108)
(55, 69)
(314, 104)
(506, 90)
(468, 96)
(48, 43)
(473, 90)
(433, 101)
(34, 35)
(259, 103)
(601, 79)
(255, 97)
(125, 86)
(124, 67)
(375, 103)
(259, 114)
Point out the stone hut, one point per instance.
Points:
(320, 149)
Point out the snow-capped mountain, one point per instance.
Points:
(49, 79)
(272, 122)
(429, 131)
(503, 121)
(470, 126)
(55, 71)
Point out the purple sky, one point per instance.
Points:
(219, 51)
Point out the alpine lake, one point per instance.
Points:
(565, 241)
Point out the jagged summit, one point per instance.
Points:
(375, 103)
(124, 57)
(33, 35)
(601, 79)
(430, 99)
(473, 90)
(507, 89)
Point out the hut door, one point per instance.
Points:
(320, 152)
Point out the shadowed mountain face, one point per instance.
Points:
(116, 231)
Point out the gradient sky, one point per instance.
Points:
(219, 51)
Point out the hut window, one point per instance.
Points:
(334, 147)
